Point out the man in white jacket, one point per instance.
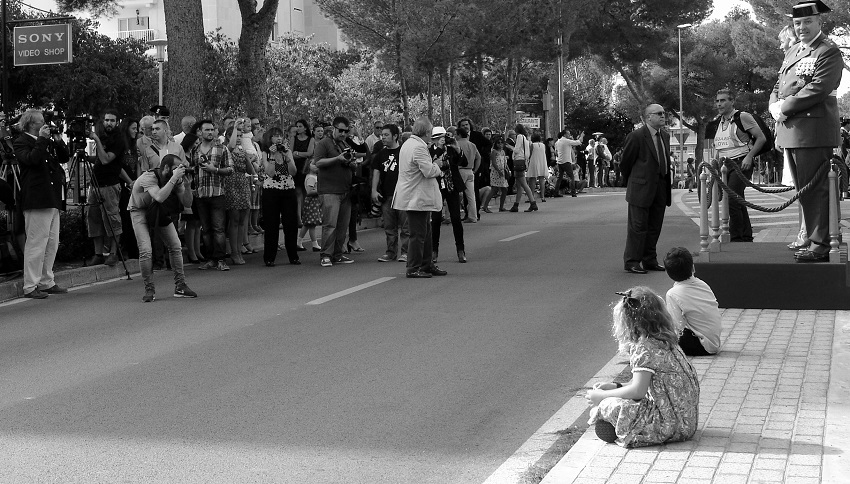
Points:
(418, 193)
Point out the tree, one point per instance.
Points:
(104, 73)
(185, 32)
(257, 28)
(844, 105)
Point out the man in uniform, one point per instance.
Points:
(805, 107)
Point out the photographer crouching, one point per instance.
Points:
(40, 154)
(158, 195)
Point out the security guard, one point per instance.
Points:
(805, 107)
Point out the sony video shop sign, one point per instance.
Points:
(42, 44)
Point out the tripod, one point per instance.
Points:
(80, 169)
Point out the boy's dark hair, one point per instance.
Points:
(462, 133)
(679, 263)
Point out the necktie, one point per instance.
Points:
(659, 146)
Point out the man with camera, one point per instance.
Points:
(152, 186)
(40, 155)
(335, 161)
(103, 217)
(212, 160)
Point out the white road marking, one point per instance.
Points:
(519, 236)
(348, 291)
(542, 440)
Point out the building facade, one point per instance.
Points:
(145, 20)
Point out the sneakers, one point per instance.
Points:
(150, 295)
(207, 265)
(96, 260)
(385, 258)
(326, 261)
(182, 290)
(36, 294)
(403, 258)
(343, 260)
(222, 266)
(111, 260)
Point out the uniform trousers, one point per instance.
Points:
(804, 164)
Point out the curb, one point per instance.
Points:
(73, 278)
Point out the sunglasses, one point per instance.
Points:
(342, 130)
(659, 113)
(629, 300)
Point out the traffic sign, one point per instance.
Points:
(35, 45)
(529, 122)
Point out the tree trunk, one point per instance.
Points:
(452, 100)
(481, 95)
(509, 95)
(442, 97)
(431, 94)
(184, 88)
(256, 30)
(399, 65)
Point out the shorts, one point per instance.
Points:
(98, 215)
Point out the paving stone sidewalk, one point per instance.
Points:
(773, 409)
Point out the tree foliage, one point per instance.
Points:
(104, 73)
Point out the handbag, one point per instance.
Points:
(522, 165)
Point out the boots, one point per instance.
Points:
(515, 208)
(532, 207)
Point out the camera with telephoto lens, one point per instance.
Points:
(54, 120)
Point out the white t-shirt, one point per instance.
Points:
(692, 304)
(564, 149)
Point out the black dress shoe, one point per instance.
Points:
(418, 275)
(809, 256)
(635, 269)
(654, 267)
(436, 271)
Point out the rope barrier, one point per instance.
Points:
(712, 169)
(737, 169)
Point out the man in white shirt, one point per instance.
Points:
(692, 305)
(565, 157)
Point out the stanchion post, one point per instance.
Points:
(834, 253)
(703, 215)
(725, 237)
(714, 245)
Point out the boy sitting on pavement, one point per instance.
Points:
(692, 305)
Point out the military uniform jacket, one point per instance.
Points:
(808, 79)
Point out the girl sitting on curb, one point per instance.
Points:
(659, 404)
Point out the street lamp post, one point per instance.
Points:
(681, 107)
(160, 58)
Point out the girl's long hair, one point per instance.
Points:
(642, 314)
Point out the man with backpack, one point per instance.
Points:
(738, 137)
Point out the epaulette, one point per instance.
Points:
(829, 42)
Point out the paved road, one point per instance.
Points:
(421, 381)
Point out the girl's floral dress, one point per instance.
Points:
(669, 411)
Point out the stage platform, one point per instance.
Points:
(765, 276)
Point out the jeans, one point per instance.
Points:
(469, 190)
(168, 234)
(395, 224)
(562, 169)
(419, 249)
(280, 206)
(740, 229)
(211, 213)
(336, 212)
(453, 203)
(42, 228)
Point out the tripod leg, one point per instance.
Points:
(99, 204)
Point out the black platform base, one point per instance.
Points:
(765, 276)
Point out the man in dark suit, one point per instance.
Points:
(40, 154)
(805, 107)
(645, 166)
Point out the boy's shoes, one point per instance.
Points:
(207, 265)
(343, 260)
(402, 258)
(182, 290)
(222, 266)
(326, 261)
(385, 258)
(150, 295)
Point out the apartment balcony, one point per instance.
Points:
(146, 35)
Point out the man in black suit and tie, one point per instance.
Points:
(645, 166)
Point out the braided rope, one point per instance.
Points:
(737, 169)
(715, 175)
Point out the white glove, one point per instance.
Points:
(776, 111)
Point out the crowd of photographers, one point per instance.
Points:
(200, 194)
